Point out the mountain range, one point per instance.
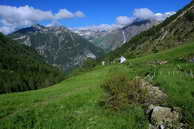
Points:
(67, 49)
(111, 39)
(58, 45)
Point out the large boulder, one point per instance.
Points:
(165, 117)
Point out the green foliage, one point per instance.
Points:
(155, 50)
(122, 92)
(190, 16)
(179, 87)
(174, 78)
(74, 103)
(89, 63)
(22, 69)
(71, 104)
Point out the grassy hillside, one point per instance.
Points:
(174, 31)
(74, 103)
(21, 68)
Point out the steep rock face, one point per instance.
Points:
(117, 38)
(59, 46)
(110, 40)
(91, 33)
(136, 28)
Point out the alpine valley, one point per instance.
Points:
(136, 76)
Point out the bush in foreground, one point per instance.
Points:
(122, 92)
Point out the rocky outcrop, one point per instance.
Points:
(160, 117)
(154, 93)
(165, 117)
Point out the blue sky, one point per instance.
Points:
(96, 11)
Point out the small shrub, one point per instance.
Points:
(190, 16)
(192, 93)
(155, 50)
(122, 92)
(89, 63)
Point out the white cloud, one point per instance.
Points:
(143, 14)
(12, 17)
(15, 17)
(163, 16)
(123, 20)
(24, 15)
(79, 14)
(63, 14)
(6, 30)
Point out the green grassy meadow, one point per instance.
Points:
(74, 103)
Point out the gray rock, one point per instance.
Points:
(192, 60)
(164, 117)
(155, 95)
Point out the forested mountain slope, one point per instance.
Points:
(21, 68)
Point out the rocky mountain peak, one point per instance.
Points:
(58, 45)
(38, 26)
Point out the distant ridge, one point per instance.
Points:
(58, 45)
